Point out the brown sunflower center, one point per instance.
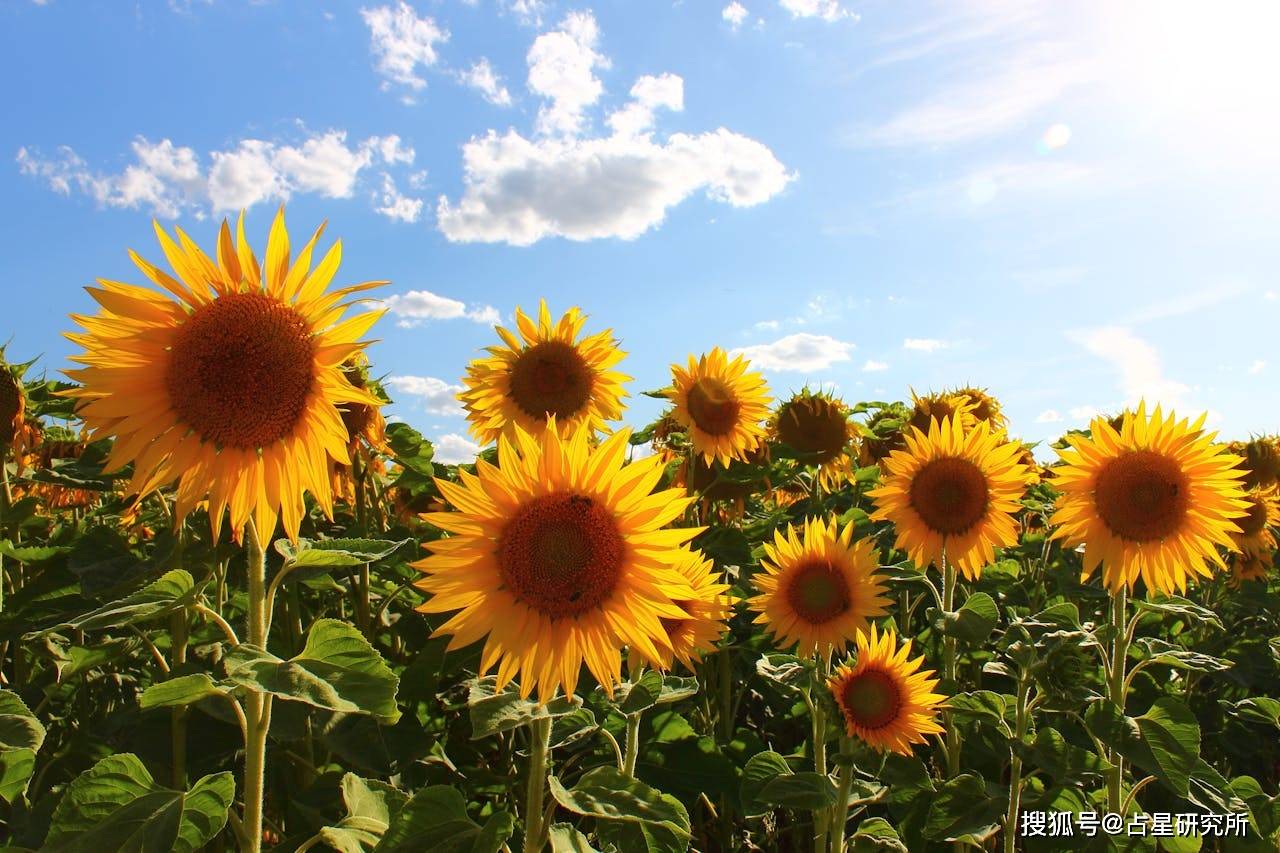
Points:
(562, 554)
(1142, 495)
(10, 404)
(950, 495)
(551, 378)
(816, 426)
(818, 592)
(355, 417)
(241, 370)
(713, 407)
(1255, 519)
(673, 626)
(871, 699)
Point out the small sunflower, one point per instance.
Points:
(1261, 515)
(560, 555)
(1249, 566)
(818, 587)
(17, 435)
(544, 372)
(230, 382)
(882, 434)
(953, 490)
(708, 608)
(1151, 500)
(983, 406)
(721, 403)
(1261, 463)
(940, 407)
(817, 424)
(886, 700)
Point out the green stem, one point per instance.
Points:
(823, 817)
(633, 744)
(539, 747)
(258, 705)
(840, 814)
(178, 656)
(725, 679)
(1015, 766)
(1116, 693)
(949, 666)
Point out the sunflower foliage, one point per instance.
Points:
(765, 621)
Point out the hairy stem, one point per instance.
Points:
(258, 705)
(539, 743)
(1116, 693)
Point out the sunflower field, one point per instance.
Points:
(242, 611)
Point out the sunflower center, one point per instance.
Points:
(10, 404)
(817, 427)
(355, 417)
(241, 370)
(562, 554)
(713, 407)
(818, 592)
(950, 495)
(1255, 520)
(871, 699)
(672, 626)
(1142, 495)
(550, 378)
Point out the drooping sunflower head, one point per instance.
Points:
(708, 608)
(1153, 500)
(941, 407)
(717, 482)
(953, 492)
(1261, 464)
(1251, 566)
(883, 434)
(818, 587)
(721, 403)
(544, 371)
(983, 406)
(817, 424)
(364, 422)
(560, 555)
(13, 407)
(229, 381)
(1257, 525)
(886, 700)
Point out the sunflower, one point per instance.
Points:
(955, 491)
(819, 587)
(1251, 567)
(558, 557)
(1153, 499)
(882, 434)
(721, 404)
(366, 433)
(1261, 515)
(1261, 460)
(940, 407)
(708, 608)
(229, 384)
(817, 424)
(544, 372)
(17, 432)
(983, 406)
(886, 700)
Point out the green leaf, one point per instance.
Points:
(1061, 760)
(1180, 657)
(21, 736)
(410, 449)
(786, 671)
(974, 621)
(180, 691)
(1179, 606)
(492, 711)
(173, 591)
(808, 790)
(565, 839)
(642, 837)
(608, 795)
(634, 697)
(572, 727)
(116, 805)
(436, 819)
(876, 835)
(370, 805)
(761, 768)
(1172, 734)
(963, 807)
(1258, 709)
(32, 553)
(675, 688)
(983, 706)
(335, 553)
(337, 669)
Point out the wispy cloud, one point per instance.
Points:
(418, 306)
(923, 344)
(801, 352)
(1139, 372)
(435, 395)
(1048, 416)
(454, 449)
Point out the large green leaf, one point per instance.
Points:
(370, 805)
(1164, 742)
(565, 839)
(974, 621)
(806, 790)
(337, 669)
(876, 835)
(334, 553)
(171, 592)
(761, 769)
(608, 795)
(1178, 606)
(435, 819)
(21, 736)
(494, 710)
(183, 690)
(964, 806)
(116, 805)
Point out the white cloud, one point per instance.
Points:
(528, 11)
(1257, 367)
(393, 205)
(562, 67)
(437, 396)
(734, 14)
(167, 179)
(767, 325)
(481, 77)
(402, 41)
(454, 449)
(1137, 363)
(873, 366)
(827, 10)
(801, 352)
(1048, 416)
(647, 95)
(418, 306)
(924, 344)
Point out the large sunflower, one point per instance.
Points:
(708, 608)
(544, 372)
(1261, 515)
(817, 424)
(231, 382)
(955, 491)
(558, 557)
(885, 698)
(1153, 499)
(818, 587)
(721, 404)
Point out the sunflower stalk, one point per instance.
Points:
(1116, 692)
(840, 813)
(949, 666)
(633, 744)
(1015, 763)
(539, 749)
(258, 705)
(821, 818)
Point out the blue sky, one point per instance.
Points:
(1071, 204)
